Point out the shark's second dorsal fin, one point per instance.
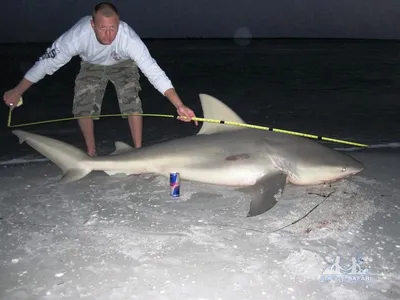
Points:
(121, 147)
(216, 110)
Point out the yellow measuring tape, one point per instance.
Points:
(194, 119)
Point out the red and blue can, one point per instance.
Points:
(174, 183)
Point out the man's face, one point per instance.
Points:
(105, 28)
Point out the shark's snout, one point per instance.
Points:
(356, 167)
(342, 166)
(351, 168)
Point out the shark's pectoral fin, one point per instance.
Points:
(74, 175)
(264, 193)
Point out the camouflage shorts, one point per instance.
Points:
(91, 82)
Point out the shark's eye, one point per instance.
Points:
(344, 169)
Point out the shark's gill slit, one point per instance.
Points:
(238, 156)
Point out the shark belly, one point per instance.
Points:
(128, 168)
(226, 176)
(220, 172)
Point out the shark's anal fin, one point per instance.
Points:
(216, 110)
(264, 192)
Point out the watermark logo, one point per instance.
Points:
(355, 272)
(115, 56)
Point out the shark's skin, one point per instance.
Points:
(257, 161)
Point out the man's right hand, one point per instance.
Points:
(11, 98)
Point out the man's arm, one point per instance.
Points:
(22, 86)
(173, 97)
(61, 52)
(56, 56)
(140, 54)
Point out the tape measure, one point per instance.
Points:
(20, 102)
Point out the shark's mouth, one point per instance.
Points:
(298, 181)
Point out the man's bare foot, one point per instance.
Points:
(92, 152)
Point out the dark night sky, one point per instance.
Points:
(31, 21)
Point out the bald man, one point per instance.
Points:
(110, 50)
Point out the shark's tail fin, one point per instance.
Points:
(71, 160)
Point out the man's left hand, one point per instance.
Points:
(185, 111)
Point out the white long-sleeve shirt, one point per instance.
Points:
(81, 40)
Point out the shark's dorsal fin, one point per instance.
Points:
(121, 147)
(216, 110)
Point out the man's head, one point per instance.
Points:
(105, 22)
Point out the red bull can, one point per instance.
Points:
(174, 183)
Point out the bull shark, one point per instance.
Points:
(257, 162)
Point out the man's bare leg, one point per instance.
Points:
(136, 127)
(87, 129)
